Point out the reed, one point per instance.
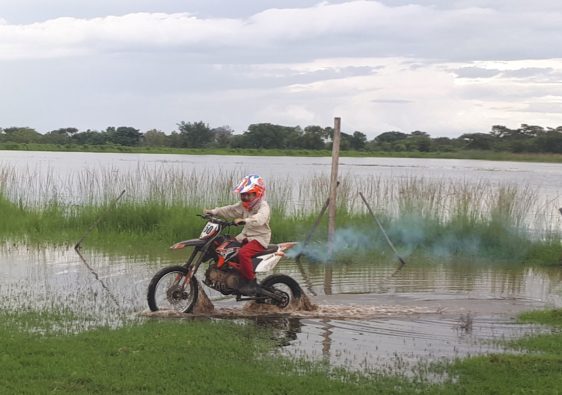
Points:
(438, 216)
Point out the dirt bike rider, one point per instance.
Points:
(254, 212)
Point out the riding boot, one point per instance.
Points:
(249, 287)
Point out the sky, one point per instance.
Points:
(446, 67)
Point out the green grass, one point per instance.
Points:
(177, 356)
(152, 225)
(537, 370)
(435, 217)
(201, 357)
(545, 317)
(464, 154)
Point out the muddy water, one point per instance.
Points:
(365, 318)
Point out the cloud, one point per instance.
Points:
(445, 67)
(476, 72)
(554, 107)
(355, 28)
(391, 101)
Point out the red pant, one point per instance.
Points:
(248, 250)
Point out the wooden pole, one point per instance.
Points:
(332, 204)
(334, 183)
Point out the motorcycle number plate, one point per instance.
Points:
(209, 230)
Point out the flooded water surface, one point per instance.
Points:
(365, 318)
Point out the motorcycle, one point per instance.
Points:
(177, 288)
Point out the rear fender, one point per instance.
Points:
(188, 243)
(267, 262)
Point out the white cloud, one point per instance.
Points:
(365, 28)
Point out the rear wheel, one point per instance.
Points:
(288, 290)
(170, 290)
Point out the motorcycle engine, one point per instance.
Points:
(224, 281)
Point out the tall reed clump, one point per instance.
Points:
(437, 216)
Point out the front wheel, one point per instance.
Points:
(170, 290)
(288, 290)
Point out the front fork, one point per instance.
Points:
(193, 266)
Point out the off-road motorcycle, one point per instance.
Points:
(177, 288)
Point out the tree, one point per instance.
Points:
(222, 136)
(418, 141)
(195, 135)
(313, 138)
(358, 141)
(90, 137)
(390, 137)
(501, 131)
(124, 135)
(418, 133)
(550, 141)
(154, 138)
(445, 144)
(480, 141)
(267, 135)
(531, 130)
(22, 135)
(59, 136)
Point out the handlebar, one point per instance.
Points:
(219, 221)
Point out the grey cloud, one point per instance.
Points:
(392, 101)
(529, 72)
(476, 72)
(508, 92)
(546, 74)
(545, 107)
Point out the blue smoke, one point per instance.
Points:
(345, 240)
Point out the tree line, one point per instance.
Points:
(525, 139)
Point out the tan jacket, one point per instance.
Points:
(257, 221)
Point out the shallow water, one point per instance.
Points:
(366, 319)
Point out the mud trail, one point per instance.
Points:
(300, 308)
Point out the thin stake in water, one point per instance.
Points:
(402, 261)
(77, 246)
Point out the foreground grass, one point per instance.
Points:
(538, 370)
(167, 357)
(188, 356)
(465, 154)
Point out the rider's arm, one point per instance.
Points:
(261, 217)
(231, 211)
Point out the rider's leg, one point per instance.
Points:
(245, 255)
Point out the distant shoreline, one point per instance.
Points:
(465, 154)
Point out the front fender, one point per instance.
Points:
(188, 243)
